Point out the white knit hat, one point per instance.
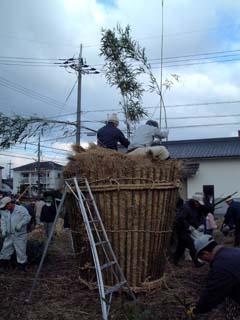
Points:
(113, 118)
(4, 201)
(198, 196)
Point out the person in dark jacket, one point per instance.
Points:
(190, 215)
(31, 210)
(48, 215)
(223, 279)
(233, 214)
(109, 135)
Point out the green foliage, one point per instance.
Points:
(125, 60)
(119, 51)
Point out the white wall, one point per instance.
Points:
(224, 174)
(55, 181)
(16, 181)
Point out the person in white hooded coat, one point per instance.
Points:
(143, 141)
(14, 220)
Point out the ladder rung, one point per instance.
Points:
(115, 288)
(107, 265)
(101, 242)
(93, 221)
(88, 200)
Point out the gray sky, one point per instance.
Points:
(198, 33)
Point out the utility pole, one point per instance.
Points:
(38, 167)
(81, 68)
(79, 97)
(9, 169)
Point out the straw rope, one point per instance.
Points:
(115, 231)
(146, 286)
(118, 187)
(146, 231)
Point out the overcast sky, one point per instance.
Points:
(203, 36)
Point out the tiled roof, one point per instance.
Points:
(204, 148)
(46, 165)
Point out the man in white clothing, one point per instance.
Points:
(14, 220)
(143, 139)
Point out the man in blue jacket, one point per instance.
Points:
(223, 280)
(233, 213)
(109, 135)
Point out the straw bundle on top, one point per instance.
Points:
(136, 199)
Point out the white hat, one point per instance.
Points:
(4, 201)
(113, 118)
(202, 241)
(198, 196)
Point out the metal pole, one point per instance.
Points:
(28, 300)
(38, 167)
(79, 96)
(161, 74)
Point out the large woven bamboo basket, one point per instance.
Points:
(136, 200)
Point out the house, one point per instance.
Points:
(27, 177)
(211, 166)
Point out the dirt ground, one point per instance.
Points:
(59, 295)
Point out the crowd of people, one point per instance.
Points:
(17, 220)
(195, 226)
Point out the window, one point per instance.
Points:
(59, 175)
(25, 174)
(208, 193)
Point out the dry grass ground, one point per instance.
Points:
(60, 296)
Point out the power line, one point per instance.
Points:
(207, 103)
(27, 65)
(169, 35)
(177, 118)
(198, 54)
(45, 61)
(200, 63)
(24, 157)
(206, 125)
(173, 106)
(151, 59)
(203, 117)
(30, 93)
(56, 139)
(63, 152)
(153, 107)
(34, 144)
(32, 58)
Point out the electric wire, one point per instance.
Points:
(25, 157)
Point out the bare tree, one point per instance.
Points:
(18, 129)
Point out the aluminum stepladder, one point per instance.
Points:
(98, 239)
